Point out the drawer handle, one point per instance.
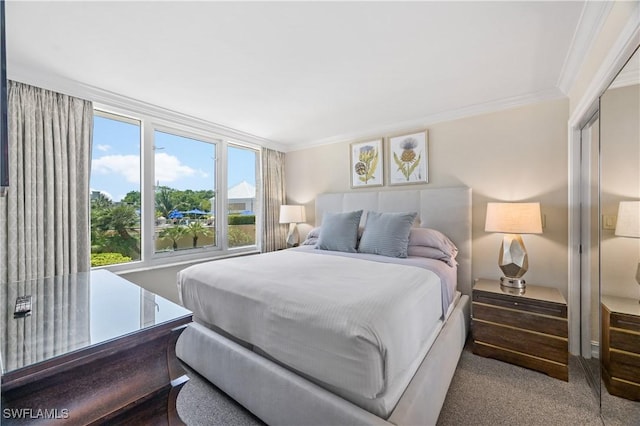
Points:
(515, 303)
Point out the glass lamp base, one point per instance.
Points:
(513, 282)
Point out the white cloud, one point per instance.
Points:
(168, 168)
(103, 148)
(124, 165)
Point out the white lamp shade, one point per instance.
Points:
(292, 214)
(628, 223)
(513, 218)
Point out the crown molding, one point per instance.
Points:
(627, 77)
(478, 109)
(627, 42)
(109, 100)
(592, 18)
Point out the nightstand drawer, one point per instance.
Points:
(530, 343)
(624, 366)
(624, 341)
(525, 320)
(521, 304)
(553, 369)
(626, 322)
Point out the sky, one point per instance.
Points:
(180, 162)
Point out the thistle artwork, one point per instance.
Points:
(368, 161)
(408, 161)
(366, 164)
(410, 157)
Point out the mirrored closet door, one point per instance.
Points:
(619, 247)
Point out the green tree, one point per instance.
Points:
(124, 219)
(195, 229)
(168, 199)
(100, 201)
(114, 228)
(173, 233)
(164, 202)
(133, 199)
(205, 205)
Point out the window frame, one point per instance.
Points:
(259, 192)
(182, 126)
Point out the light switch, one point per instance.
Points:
(609, 221)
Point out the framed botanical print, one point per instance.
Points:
(367, 164)
(408, 159)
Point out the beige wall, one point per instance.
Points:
(518, 154)
(620, 181)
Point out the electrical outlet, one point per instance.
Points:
(609, 222)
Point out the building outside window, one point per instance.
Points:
(241, 196)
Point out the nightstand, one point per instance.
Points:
(621, 346)
(529, 330)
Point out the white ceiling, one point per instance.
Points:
(301, 73)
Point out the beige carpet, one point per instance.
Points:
(483, 392)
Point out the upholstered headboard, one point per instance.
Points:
(445, 209)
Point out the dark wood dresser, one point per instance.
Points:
(529, 329)
(621, 346)
(96, 349)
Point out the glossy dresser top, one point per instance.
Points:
(534, 292)
(74, 312)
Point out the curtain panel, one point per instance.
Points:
(274, 234)
(45, 217)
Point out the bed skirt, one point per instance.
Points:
(280, 397)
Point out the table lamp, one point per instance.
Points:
(292, 215)
(628, 223)
(513, 219)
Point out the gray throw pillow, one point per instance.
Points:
(387, 234)
(339, 231)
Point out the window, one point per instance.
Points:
(184, 192)
(241, 196)
(157, 188)
(115, 190)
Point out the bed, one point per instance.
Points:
(283, 334)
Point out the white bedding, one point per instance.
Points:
(355, 325)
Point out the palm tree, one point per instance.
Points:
(164, 203)
(173, 233)
(124, 219)
(196, 229)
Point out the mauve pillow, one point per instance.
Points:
(339, 231)
(428, 237)
(431, 253)
(314, 233)
(312, 237)
(386, 234)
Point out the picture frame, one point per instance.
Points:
(367, 163)
(408, 158)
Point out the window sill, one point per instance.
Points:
(166, 261)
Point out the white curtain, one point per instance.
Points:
(274, 234)
(44, 224)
